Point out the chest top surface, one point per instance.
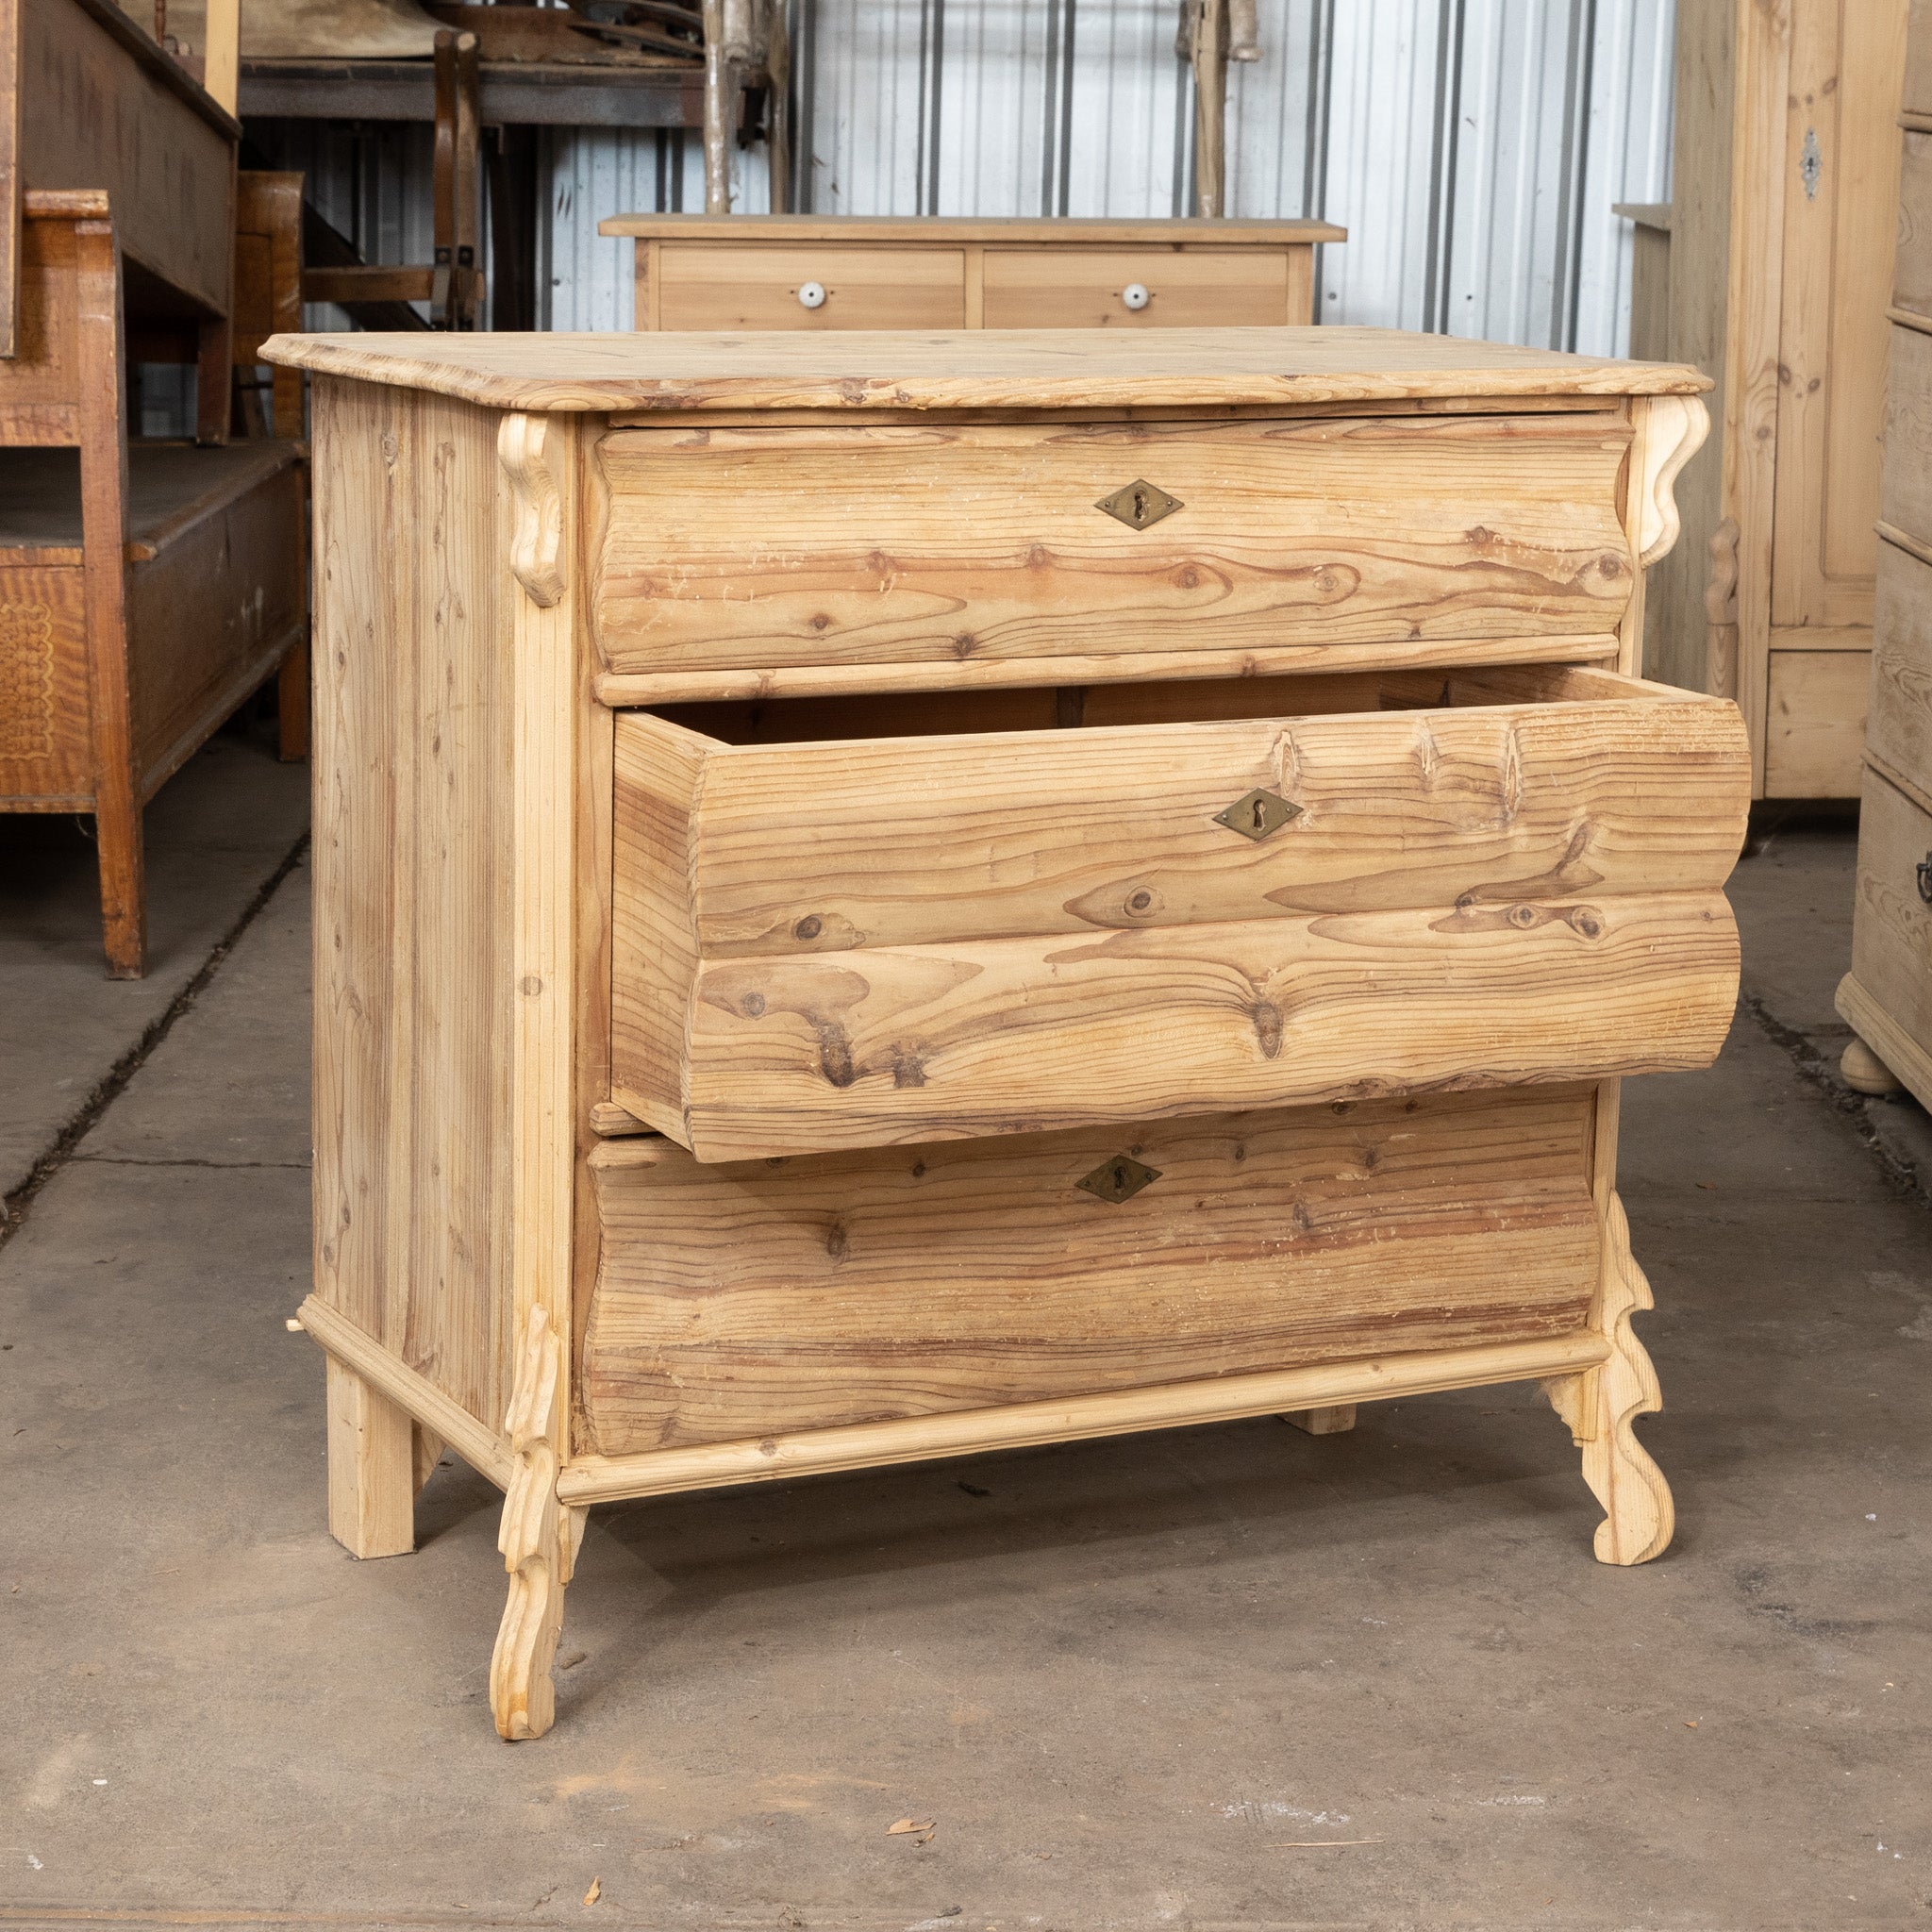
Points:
(1041, 369)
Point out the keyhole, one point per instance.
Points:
(1140, 506)
(1120, 1179)
(1260, 815)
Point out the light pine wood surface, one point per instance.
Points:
(1329, 530)
(1030, 1099)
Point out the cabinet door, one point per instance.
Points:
(1840, 209)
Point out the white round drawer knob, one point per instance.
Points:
(1134, 295)
(812, 295)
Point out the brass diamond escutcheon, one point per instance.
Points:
(1139, 504)
(1257, 814)
(1119, 1180)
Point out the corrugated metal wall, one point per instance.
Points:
(1472, 147)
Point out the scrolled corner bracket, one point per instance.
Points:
(1638, 1516)
(539, 1538)
(525, 448)
(1672, 432)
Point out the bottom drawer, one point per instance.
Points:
(1891, 927)
(754, 1298)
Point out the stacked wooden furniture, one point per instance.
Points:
(805, 271)
(1770, 271)
(145, 589)
(1887, 996)
(884, 896)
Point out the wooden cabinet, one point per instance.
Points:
(1888, 994)
(802, 272)
(1774, 261)
(994, 898)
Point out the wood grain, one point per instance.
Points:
(814, 1293)
(987, 369)
(412, 818)
(1195, 288)
(1900, 724)
(719, 285)
(1060, 231)
(1891, 927)
(976, 543)
(1815, 723)
(1070, 1419)
(371, 1490)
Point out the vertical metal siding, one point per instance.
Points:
(1472, 148)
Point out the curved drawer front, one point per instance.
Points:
(863, 942)
(766, 547)
(757, 1299)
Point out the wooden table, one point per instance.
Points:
(814, 271)
(887, 896)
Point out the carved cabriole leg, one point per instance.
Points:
(539, 1539)
(1601, 1404)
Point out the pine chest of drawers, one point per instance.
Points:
(885, 896)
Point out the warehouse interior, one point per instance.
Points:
(1305, 1639)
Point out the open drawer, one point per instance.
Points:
(1489, 879)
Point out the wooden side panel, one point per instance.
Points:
(819, 848)
(1815, 723)
(742, 1301)
(413, 853)
(93, 116)
(46, 747)
(1912, 275)
(1015, 1036)
(721, 285)
(40, 389)
(1907, 499)
(1082, 288)
(10, 189)
(1892, 931)
(1841, 205)
(960, 544)
(211, 616)
(657, 777)
(1900, 727)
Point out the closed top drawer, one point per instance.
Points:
(764, 547)
(722, 285)
(1141, 288)
(1499, 877)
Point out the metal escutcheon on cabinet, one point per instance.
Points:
(1136, 296)
(812, 295)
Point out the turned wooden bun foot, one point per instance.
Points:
(1863, 1072)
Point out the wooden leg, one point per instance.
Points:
(1324, 1421)
(1865, 1073)
(539, 1538)
(124, 877)
(1601, 1404)
(372, 1489)
(292, 702)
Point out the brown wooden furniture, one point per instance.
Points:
(1775, 259)
(806, 271)
(145, 589)
(893, 895)
(1887, 996)
(268, 298)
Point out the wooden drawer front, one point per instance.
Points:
(747, 1300)
(1911, 278)
(722, 285)
(860, 942)
(1086, 287)
(729, 548)
(1900, 724)
(1892, 934)
(46, 743)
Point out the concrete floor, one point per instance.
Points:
(1230, 1677)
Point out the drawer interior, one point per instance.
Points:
(977, 914)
